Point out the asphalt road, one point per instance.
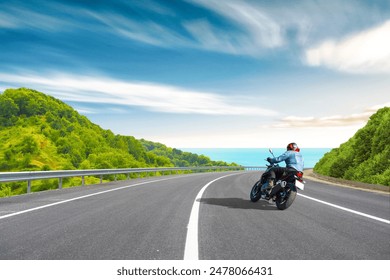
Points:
(148, 218)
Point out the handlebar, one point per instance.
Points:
(272, 164)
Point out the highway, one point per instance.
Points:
(164, 218)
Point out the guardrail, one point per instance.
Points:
(41, 175)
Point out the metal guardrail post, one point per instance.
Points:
(60, 183)
(28, 186)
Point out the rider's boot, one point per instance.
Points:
(267, 188)
(271, 183)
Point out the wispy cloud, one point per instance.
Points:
(365, 52)
(85, 110)
(153, 97)
(20, 18)
(252, 30)
(248, 28)
(330, 121)
(260, 28)
(248, 37)
(145, 31)
(210, 37)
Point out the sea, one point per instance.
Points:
(256, 156)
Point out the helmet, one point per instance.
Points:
(293, 147)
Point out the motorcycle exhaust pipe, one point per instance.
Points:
(278, 187)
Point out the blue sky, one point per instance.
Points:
(203, 73)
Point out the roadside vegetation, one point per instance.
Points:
(39, 132)
(365, 157)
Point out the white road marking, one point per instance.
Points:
(191, 250)
(347, 209)
(80, 197)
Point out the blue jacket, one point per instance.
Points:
(292, 159)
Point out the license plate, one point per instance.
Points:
(299, 185)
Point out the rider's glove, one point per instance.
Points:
(269, 159)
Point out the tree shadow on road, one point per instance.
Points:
(239, 203)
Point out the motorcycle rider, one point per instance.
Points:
(294, 162)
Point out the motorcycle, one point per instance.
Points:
(284, 191)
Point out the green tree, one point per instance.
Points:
(29, 145)
(39, 132)
(8, 108)
(366, 156)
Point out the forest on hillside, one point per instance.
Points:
(365, 157)
(39, 132)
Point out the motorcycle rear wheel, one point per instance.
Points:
(256, 191)
(284, 202)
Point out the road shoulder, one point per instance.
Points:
(310, 174)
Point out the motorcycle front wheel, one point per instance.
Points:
(256, 191)
(284, 202)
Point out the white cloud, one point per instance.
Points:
(210, 37)
(153, 97)
(237, 27)
(365, 52)
(19, 18)
(331, 121)
(147, 31)
(7, 21)
(85, 110)
(252, 29)
(255, 30)
(258, 26)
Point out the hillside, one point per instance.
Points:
(39, 132)
(365, 157)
